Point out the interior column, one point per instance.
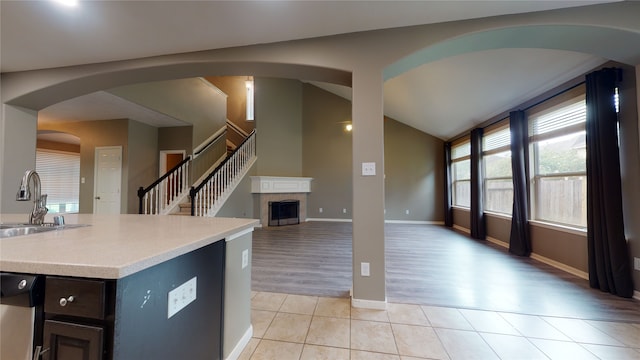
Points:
(368, 189)
(18, 133)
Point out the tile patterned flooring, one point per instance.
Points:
(299, 327)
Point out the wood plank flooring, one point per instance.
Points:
(428, 265)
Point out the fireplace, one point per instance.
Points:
(284, 190)
(285, 212)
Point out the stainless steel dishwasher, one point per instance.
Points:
(21, 312)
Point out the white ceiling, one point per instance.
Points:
(102, 105)
(42, 34)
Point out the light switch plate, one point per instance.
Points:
(182, 296)
(245, 258)
(368, 169)
(364, 269)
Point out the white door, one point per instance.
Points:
(108, 177)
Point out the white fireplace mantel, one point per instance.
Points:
(280, 184)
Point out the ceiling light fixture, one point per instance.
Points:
(69, 3)
(349, 127)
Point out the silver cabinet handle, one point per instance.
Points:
(37, 354)
(64, 302)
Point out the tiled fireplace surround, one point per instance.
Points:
(278, 188)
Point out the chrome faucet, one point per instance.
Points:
(39, 203)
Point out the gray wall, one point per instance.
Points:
(630, 162)
(237, 292)
(414, 175)
(327, 153)
(240, 203)
(143, 161)
(18, 128)
(176, 138)
(278, 114)
(498, 227)
(191, 100)
(413, 165)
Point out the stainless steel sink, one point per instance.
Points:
(11, 230)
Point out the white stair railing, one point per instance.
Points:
(165, 192)
(209, 196)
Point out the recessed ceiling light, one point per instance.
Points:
(70, 3)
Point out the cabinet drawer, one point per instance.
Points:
(75, 297)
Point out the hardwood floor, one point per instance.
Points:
(312, 258)
(428, 265)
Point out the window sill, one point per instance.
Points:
(498, 215)
(456, 207)
(562, 228)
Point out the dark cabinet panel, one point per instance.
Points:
(75, 297)
(145, 329)
(70, 341)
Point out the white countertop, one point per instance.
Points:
(113, 246)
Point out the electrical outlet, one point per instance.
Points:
(364, 269)
(636, 263)
(368, 169)
(320, 210)
(182, 296)
(245, 258)
(344, 211)
(406, 211)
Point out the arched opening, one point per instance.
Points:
(473, 79)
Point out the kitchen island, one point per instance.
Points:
(145, 286)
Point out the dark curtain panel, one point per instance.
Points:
(609, 264)
(448, 212)
(477, 203)
(519, 241)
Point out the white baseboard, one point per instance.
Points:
(561, 266)
(242, 343)
(369, 304)
(558, 265)
(463, 229)
(497, 242)
(636, 294)
(413, 222)
(329, 220)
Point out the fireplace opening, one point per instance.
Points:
(285, 212)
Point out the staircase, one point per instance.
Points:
(172, 194)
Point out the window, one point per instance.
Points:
(558, 144)
(60, 177)
(496, 157)
(461, 173)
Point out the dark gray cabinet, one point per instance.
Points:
(128, 318)
(71, 341)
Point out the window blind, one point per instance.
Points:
(499, 139)
(567, 119)
(60, 179)
(461, 151)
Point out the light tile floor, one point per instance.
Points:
(314, 328)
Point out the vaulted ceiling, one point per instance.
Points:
(442, 97)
